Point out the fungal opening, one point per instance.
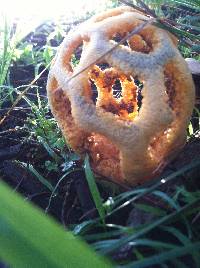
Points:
(76, 56)
(60, 102)
(115, 92)
(94, 91)
(139, 43)
(117, 89)
(118, 38)
(103, 65)
(140, 86)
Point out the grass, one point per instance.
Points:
(156, 224)
(25, 231)
(7, 48)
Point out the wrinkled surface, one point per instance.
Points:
(130, 135)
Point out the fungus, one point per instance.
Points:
(136, 118)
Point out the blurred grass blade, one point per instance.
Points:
(166, 256)
(30, 239)
(93, 189)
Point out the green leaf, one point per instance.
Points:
(28, 238)
(93, 189)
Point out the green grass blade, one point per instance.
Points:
(150, 209)
(175, 232)
(139, 242)
(150, 227)
(50, 151)
(153, 243)
(184, 240)
(82, 228)
(163, 257)
(28, 238)
(179, 32)
(167, 199)
(154, 186)
(54, 192)
(38, 175)
(93, 189)
(190, 4)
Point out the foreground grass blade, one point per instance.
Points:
(30, 239)
(93, 189)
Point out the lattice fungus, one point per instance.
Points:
(130, 110)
